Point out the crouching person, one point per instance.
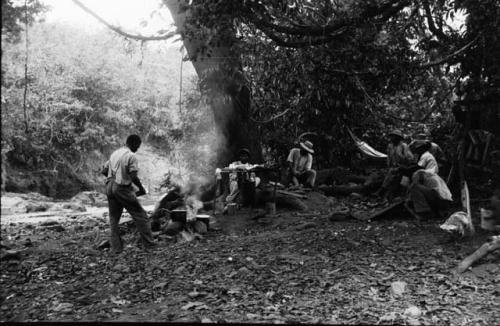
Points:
(121, 171)
(300, 165)
(428, 195)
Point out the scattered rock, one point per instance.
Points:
(402, 224)
(413, 322)
(49, 222)
(93, 198)
(55, 228)
(121, 268)
(40, 207)
(398, 288)
(64, 307)
(340, 215)
(75, 207)
(413, 311)
(356, 195)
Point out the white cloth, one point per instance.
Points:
(121, 163)
(428, 162)
(432, 181)
(300, 163)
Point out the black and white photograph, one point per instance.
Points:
(330, 162)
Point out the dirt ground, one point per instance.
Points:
(296, 267)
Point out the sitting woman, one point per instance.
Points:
(428, 194)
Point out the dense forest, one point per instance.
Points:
(86, 91)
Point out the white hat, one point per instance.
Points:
(308, 146)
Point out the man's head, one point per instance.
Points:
(134, 142)
(244, 155)
(306, 148)
(395, 136)
(420, 146)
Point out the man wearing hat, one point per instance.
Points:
(435, 149)
(398, 155)
(300, 165)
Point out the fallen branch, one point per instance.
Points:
(490, 246)
(288, 193)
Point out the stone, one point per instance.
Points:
(398, 288)
(75, 207)
(413, 311)
(49, 222)
(30, 208)
(55, 228)
(121, 268)
(64, 307)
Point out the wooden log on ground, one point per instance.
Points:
(490, 246)
(292, 194)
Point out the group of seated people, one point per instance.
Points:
(413, 170)
(299, 170)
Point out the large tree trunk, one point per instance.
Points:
(221, 80)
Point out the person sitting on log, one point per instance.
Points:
(300, 165)
(428, 194)
(398, 155)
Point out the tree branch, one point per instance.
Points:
(273, 117)
(432, 27)
(121, 32)
(450, 56)
(386, 9)
(302, 43)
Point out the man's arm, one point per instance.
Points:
(105, 169)
(290, 162)
(309, 162)
(407, 153)
(133, 168)
(135, 179)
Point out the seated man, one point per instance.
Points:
(299, 163)
(398, 155)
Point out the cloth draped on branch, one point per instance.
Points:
(365, 148)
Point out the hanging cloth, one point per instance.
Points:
(365, 148)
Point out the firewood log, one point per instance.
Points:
(490, 246)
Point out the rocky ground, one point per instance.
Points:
(294, 267)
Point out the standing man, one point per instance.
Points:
(299, 163)
(121, 171)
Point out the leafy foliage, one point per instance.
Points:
(371, 65)
(80, 103)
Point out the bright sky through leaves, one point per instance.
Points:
(134, 16)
